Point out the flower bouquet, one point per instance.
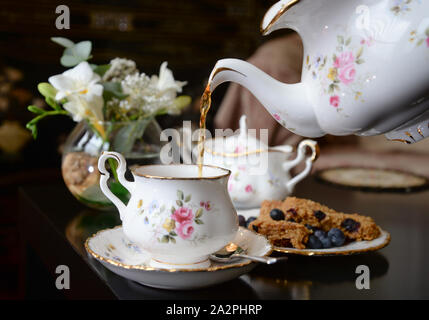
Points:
(115, 106)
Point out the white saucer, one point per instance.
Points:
(118, 254)
(350, 248)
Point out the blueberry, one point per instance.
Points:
(320, 233)
(326, 242)
(320, 215)
(277, 214)
(337, 237)
(314, 242)
(291, 220)
(350, 225)
(249, 220)
(241, 221)
(323, 237)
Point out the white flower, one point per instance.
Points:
(82, 108)
(119, 69)
(79, 80)
(165, 82)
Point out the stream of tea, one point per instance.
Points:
(205, 104)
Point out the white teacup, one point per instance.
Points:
(173, 214)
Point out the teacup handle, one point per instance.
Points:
(105, 175)
(290, 185)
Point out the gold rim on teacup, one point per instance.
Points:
(150, 176)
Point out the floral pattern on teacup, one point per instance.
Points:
(180, 221)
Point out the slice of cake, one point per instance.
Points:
(291, 223)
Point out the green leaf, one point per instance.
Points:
(47, 90)
(127, 135)
(340, 39)
(173, 234)
(102, 69)
(120, 191)
(198, 221)
(188, 198)
(83, 49)
(63, 42)
(33, 128)
(199, 213)
(165, 239)
(179, 203)
(35, 109)
(359, 53)
(182, 102)
(180, 194)
(173, 209)
(427, 32)
(51, 102)
(113, 89)
(172, 239)
(360, 61)
(348, 41)
(70, 61)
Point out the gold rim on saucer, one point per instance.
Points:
(147, 268)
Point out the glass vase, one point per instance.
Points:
(138, 141)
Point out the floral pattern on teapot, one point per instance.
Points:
(340, 73)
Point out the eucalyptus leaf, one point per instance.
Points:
(63, 42)
(83, 49)
(70, 61)
(126, 136)
(102, 69)
(112, 89)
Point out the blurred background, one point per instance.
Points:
(191, 35)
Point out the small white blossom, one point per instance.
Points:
(79, 80)
(119, 69)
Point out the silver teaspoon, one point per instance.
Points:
(233, 251)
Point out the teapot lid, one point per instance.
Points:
(243, 143)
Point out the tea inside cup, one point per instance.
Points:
(180, 171)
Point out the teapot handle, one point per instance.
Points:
(122, 164)
(290, 185)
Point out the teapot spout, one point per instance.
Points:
(288, 103)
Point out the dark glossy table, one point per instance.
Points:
(55, 225)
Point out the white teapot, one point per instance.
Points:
(365, 69)
(257, 171)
